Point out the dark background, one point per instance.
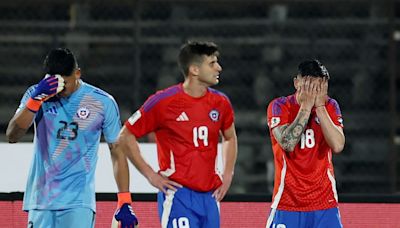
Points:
(129, 49)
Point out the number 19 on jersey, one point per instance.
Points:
(200, 134)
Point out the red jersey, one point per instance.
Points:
(304, 178)
(187, 133)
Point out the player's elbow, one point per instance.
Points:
(288, 148)
(11, 136)
(337, 147)
(10, 139)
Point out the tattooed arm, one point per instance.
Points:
(289, 135)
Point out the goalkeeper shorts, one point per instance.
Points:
(73, 217)
(329, 218)
(188, 208)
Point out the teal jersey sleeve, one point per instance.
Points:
(25, 97)
(112, 121)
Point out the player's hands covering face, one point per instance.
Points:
(322, 94)
(307, 92)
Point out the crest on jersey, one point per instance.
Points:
(83, 113)
(275, 121)
(214, 115)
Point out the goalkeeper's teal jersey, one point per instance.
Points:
(67, 137)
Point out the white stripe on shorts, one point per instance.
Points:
(167, 205)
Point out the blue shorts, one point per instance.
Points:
(329, 218)
(74, 217)
(188, 208)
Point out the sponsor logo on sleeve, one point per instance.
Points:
(274, 122)
(135, 116)
(340, 121)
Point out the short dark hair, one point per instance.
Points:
(60, 61)
(193, 51)
(313, 68)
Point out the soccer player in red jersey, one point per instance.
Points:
(188, 120)
(305, 129)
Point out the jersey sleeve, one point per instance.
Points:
(277, 113)
(23, 101)
(334, 112)
(25, 98)
(112, 121)
(229, 115)
(144, 120)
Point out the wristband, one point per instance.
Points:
(124, 197)
(320, 106)
(33, 105)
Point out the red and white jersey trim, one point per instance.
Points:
(171, 170)
(332, 179)
(278, 195)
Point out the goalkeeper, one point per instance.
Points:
(69, 116)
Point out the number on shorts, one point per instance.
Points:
(278, 226)
(182, 222)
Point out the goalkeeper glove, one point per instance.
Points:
(124, 214)
(49, 86)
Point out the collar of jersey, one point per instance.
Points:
(76, 92)
(190, 97)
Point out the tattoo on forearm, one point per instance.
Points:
(290, 135)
